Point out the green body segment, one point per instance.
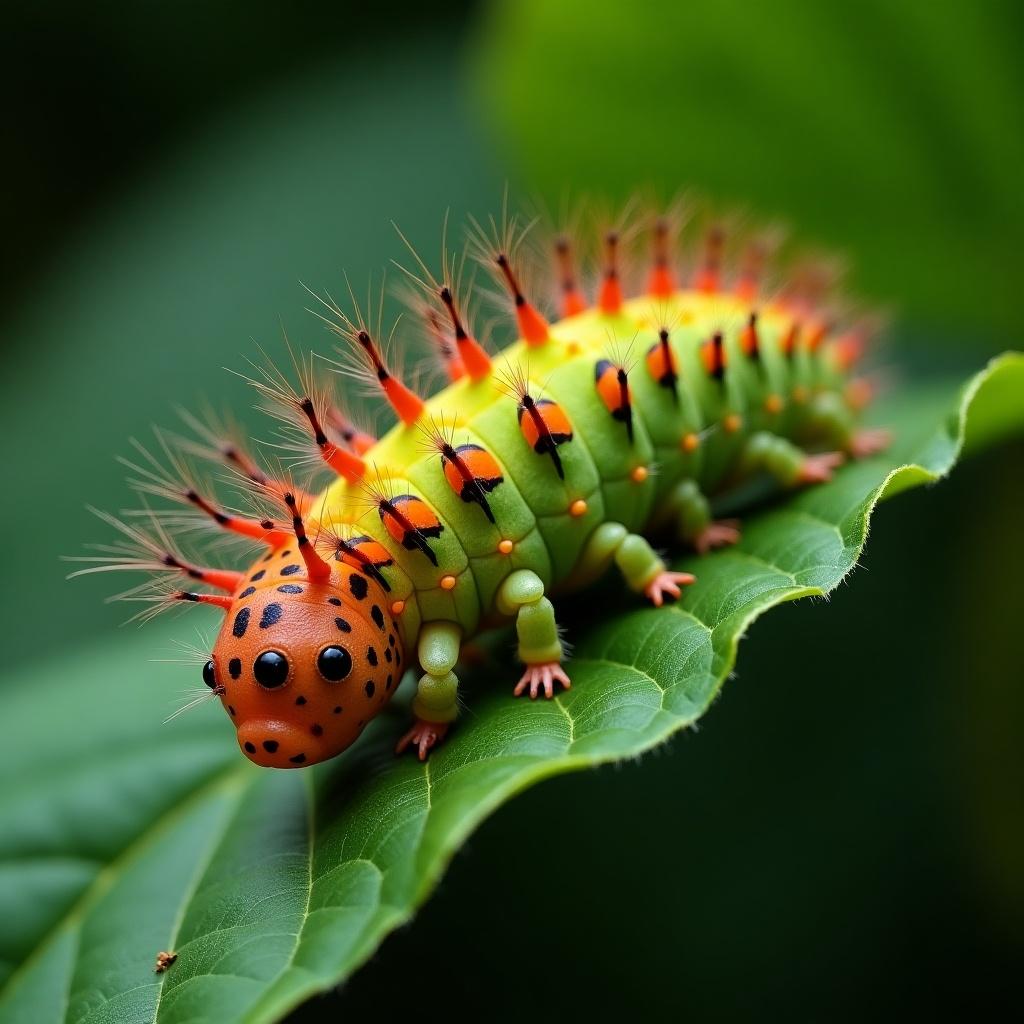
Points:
(688, 443)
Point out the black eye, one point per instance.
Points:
(270, 669)
(208, 678)
(334, 663)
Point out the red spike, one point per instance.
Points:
(749, 340)
(610, 298)
(661, 280)
(709, 277)
(406, 403)
(476, 362)
(217, 600)
(358, 440)
(344, 463)
(573, 301)
(317, 568)
(222, 579)
(263, 530)
(532, 326)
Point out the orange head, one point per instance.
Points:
(302, 665)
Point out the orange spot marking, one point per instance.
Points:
(578, 508)
(800, 394)
(397, 607)
(639, 474)
(614, 392)
(773, 404)
(447, 582)
(505, 547)
(574, 348)
(545, 415)
(690, 442)
(732, 423)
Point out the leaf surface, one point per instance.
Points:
(121, 836)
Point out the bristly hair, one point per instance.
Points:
(438, 435)
(220, 440)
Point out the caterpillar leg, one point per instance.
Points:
(692, 515)
(789, 464)
(540, 647)
(436, 704)
(639, 564)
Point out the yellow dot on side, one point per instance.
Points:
(732, 423)
(800, 394)
(639, 474)
(578, 508)
(447, 582)
(773, 404)
(505, 547)
(690, 442)
(574, 348)
(397, 607)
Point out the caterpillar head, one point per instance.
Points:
(302, 665)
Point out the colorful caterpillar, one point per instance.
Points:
(534, 469)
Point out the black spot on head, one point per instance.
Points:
(317, 730)
(289, 588)
(251, 747)
(297, 759)
(270, 746)
(300, 701)
(257, 576)
(337, 710)
(286, 552)
(387, 654)
(371, 656)
(271, 615)
(241, 623)
(343, 625)
(358, 585)
(390, 680)
(235, 668)
(370, 688)
(391, 639)
(291, 570)
(378, 616)
(231, 710)
(247, 592)
(336, 601)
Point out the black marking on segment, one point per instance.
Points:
(371, 656)
(247, 592)
(366, 564)
(547, 442)
(271, 615)
(358, 585)
(235, 668)
(378, 616)
(291, 570)
(241, 623)
(624, 413)
(343, 625)
(289, 588)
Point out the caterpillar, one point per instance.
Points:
(529, 474)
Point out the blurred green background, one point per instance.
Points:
(175, 172)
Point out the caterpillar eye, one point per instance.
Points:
(334, 663)
(208, 675)
(270, 669)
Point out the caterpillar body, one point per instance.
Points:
(531, 473)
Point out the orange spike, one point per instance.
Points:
(661, 280)
(344, 463)
(573, 301)
(217, 600)
(749, 340)
(406, 403)
(532, 326)
(222, 579)
(453, 363)
(475, 360)
(317, 568)
(610, 298)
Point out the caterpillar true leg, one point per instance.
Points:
(436, 704)
(692, 513)
(540, 647)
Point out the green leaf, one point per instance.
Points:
(120, 837)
